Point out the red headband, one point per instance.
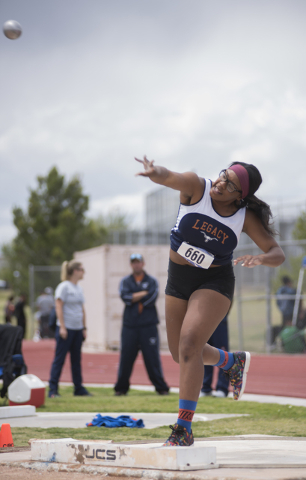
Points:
(243, 178)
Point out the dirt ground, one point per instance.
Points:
(15, 473)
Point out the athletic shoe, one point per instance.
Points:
(179, 437)
(205, 394)
(238, 373)
(53, 395)
(219, 394)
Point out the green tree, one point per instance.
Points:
(299, 232)
(53, 227)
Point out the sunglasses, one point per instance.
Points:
(136, 256)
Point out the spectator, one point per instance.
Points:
(70, 327)
(44, 304)
(292, 339)
(139, 292)
(20, 314)
(286, 305)
(219, 339)
(9, 309)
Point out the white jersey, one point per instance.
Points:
(201, 226)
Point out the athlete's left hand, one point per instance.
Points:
(249, 261)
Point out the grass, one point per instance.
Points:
(269, 419)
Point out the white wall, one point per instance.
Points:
(104, 268)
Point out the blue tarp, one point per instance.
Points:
(111, 422)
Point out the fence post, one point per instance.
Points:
(239, 308)
(298, 292)
(268, 310)
(31, 297)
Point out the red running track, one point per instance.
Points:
(283, 375)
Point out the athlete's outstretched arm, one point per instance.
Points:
(187, 183)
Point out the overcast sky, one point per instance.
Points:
(193, 84)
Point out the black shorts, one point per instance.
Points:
(183, 280)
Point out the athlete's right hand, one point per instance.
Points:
(148, 166)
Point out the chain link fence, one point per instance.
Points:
(40, 277)
(255, 319)
(255, 322)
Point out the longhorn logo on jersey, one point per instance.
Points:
(207, 238)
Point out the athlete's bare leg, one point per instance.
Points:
(188, 332)
(175, 313)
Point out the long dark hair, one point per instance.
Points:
(259, 207)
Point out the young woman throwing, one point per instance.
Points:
(201, 280)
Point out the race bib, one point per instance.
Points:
(196, 256)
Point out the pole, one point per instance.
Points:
(298, 292)
(239, 309)
(268, 311)
(31, 297)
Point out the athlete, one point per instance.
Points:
(201, 280)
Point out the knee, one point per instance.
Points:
(175, 357)
(174, 353)
(188, 348)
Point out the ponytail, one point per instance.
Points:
(262, 210)
(64, 273)
(68, 268)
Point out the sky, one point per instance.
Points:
(193, 84)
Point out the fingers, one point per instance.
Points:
(145, 161)
(148, 167)
(249, 261)
(63, 333)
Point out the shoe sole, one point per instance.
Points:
(164, 445)
(245, 371)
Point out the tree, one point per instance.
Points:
(299, 232)
(53, 227)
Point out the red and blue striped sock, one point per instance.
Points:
(186, 412)
(226, 360)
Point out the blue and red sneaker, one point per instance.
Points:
(238, 373)
(179, 437)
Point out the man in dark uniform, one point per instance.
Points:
(20, 314)
(139, 292)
